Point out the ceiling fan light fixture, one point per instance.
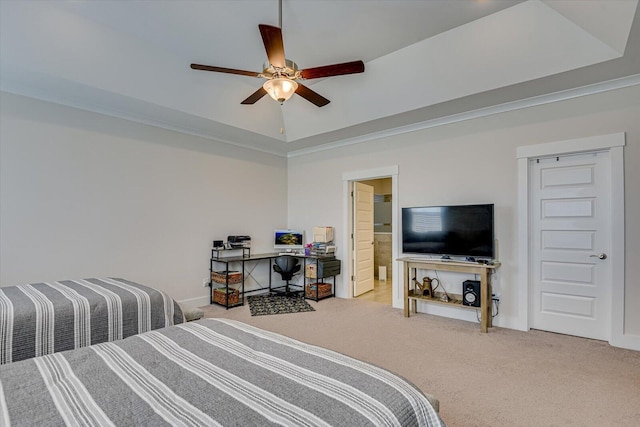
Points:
(280, 88)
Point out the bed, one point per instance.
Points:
(43, 318)
(207, 373)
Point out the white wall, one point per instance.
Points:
(86, 195)
(475, 162)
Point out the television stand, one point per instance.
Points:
(411, 265)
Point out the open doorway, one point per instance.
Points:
(382, 261)
(393, 273)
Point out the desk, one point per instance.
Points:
(247, 259)
(411, 265)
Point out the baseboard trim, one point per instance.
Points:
(196, 302)
(630, 342)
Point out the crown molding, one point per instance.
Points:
(535, 101)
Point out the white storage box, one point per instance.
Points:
(323, 234)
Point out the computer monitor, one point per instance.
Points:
(288, 240)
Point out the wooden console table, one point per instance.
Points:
(411, 265)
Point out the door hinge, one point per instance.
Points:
(352, 194)
(353, 278)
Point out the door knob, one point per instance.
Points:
(599, 256)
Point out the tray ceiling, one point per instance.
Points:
(425, 61)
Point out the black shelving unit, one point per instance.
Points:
(217, 260)
(320, 274)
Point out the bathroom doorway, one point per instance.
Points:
(382, 241)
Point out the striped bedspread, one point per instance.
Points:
(211, 372)
(43, 318)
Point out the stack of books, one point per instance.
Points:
(322, 248)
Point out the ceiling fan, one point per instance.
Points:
(281, 73)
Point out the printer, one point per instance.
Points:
(239, 241)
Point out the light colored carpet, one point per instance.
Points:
(503, 378)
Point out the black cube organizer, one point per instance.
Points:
(320, 268)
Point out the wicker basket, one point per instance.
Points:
(220, 296)
(221, 277)
(323, 289)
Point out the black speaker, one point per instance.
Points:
(471, 293)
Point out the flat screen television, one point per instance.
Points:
(288, 240)
(460, 230)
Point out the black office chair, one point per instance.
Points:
(287, 266)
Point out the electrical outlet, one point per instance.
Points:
(495, 297)
(205, 282)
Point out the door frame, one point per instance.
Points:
(348, 178)
(613, 143)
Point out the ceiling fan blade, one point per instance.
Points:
(311, 96)
(333, 70)
(224, 70)
(255, 96)
(272, 39)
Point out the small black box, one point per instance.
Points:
(471, 293)
(325, 268)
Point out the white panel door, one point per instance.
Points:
(363, 238)
(571, 229)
